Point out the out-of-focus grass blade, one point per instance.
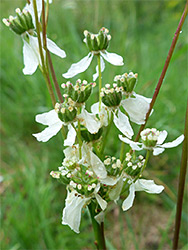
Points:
(129, 224)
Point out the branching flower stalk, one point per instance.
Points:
(93, 179)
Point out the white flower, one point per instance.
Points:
(136, 107)
(120, 120)
(31, 55)
(54, 124)
(84, 63)
(74, 204)
(140, 185)
(159, 147)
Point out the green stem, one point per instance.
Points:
(122, 151)
(106, 135)
(100, 80)
(181, 185)
(97, 228)
(144, 166)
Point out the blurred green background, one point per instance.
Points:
(31, 201)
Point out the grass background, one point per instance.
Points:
(31, 201)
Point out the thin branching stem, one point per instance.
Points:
(171, 50)
(181, 184)
(100, 80)
(45, 73)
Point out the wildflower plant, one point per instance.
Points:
(91, 176)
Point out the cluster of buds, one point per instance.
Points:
(149, 137)
(21, 23)
(88, 137)
(132, 165)
(113, 165)
(111, 97)
(97, 42)
(127, 81)
(79, 92)
(66, 111)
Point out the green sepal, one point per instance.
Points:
(112, 99)
(88, 41)
(95, 46)
(101, 39)
(68, 116)
(88, 137)
(29, 21)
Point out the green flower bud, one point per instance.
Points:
(127, 81)
(111, 97)
(88, 137)
(97, 42)
(21, 23)
(80, 92)
(113, 166)
(132, 165)
(66, 112)
(149, 137)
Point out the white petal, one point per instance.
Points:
(99, 217)
(112, 58)
(89, 121)
(137, 108)
(128, 202)
(71, 136)
(72, 211)
(148, 186)
(157, 151)
(48, 132)
(79, 67)
(162, 137)
(122, 123)
(173, 143)
(109, 180)
(96, 75)
(72, 153)
(116, 191)
(103, 115)
(31, 60)
(101, 201)
(48, 118)
(52, 47)
(97, 166)
(133, 145)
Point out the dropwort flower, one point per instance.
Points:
(97, 44)
(23, 24)
(152, 139)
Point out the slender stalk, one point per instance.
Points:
(79, 136)
(97, 228)
(47, 12)
(181, 185)
(45, 74)
(106, 135)
(100, 80)
(54, 78)
(122, 151)
(171, 50)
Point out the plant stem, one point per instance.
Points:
(181, 184)
(171, 50)
(44, 71)
(100, 80)
(79, 136)
(122, 151)
(106, 135)
(97, 228)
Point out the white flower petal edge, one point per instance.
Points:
(137, 108)
(79, 67)
(99, 217)
(97, 166)
(31, 60)
(134, 145)
(128, 202)
(157, 151)
(103, 115)
(174, 143)
(116, 191)
(141, 185)
(72, 210)
(52, 121)
(89, 121)
(102, 203)
(122, 123)
(96, 75)
(71, 136)
(52, 47)
(112, 58)
(162, 136)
